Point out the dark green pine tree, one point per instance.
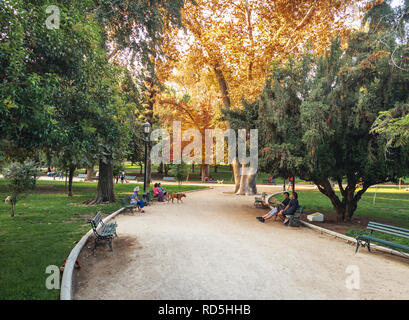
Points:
(316, 116)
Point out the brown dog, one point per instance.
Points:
(177, 196)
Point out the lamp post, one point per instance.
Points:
(146, 131)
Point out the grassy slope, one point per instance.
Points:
(45, 229)
(391, 205)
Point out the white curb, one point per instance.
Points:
(353, 240)
(66, 283)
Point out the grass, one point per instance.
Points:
(46, 227)
(391, 205)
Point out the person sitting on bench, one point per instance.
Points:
(158, 193)
(135, 200)
(290, 209)
(162, 189)
(277, 209)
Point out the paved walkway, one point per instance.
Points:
(212, 247)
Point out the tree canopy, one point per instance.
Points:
(317, 114)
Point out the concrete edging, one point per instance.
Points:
(353, 240)
(66, 283)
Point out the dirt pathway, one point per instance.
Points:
(212, 247)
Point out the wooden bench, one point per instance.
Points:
(374, 226)
(107, 231)
(296, 217)
(126, 202)
(168, 178)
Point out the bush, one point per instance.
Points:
(21, 177)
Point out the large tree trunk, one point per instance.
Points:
(345, 208)
(243, 184)
(243, 190)
(105, 189)
(236, 174)
(90, 173)
(204, 171)
(70, 178)
(252, 182)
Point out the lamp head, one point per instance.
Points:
(147, 128)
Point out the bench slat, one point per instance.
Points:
(387, 226)
(389, 231)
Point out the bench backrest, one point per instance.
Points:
(96, 220)
(130, 177)
(82, 175)
(396, 231)
(169, 178)
(301, 209)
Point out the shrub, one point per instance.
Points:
(21, 177)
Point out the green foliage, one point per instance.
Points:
(394, 128)
(179, 171)
(316, 113)
(20, 178)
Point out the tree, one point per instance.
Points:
(237, 40)
(179, 171)
(317, 116)
(134, 31)
(21, 177)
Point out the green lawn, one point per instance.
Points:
(391, 205)
(45, 229)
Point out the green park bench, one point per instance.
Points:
(169, 178)
(365, 239)
(295, 218)
(126, 202)
(107, 231)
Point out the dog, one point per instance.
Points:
(220, 181)
(7, 200)
(177, 196)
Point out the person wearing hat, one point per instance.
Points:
(135, 200)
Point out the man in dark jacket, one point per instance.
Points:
(290, 209)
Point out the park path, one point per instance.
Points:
(212, 247)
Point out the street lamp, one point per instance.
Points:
(146, 131)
